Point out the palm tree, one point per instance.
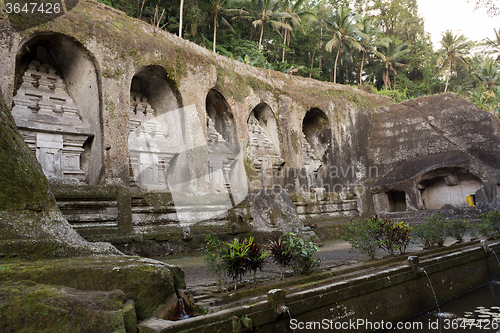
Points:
(489, 73)
(389, 56)
(494, 44)
(294, 20)
(369, 39)
(453, 51)
(265, 11)
(218, 9)
(180, 20)
(345, 30)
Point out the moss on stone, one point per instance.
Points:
(29, 307)
(23, 183)
(149, 283)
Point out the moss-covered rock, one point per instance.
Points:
(148, 282)
(29, 307)
(21, 177)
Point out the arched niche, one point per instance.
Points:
(222, 142)
(263, 129)
(151, 85)
(447, 187)
(316, 129)
(264, 143)
(155, 128)
(57, 106)
(221, 118)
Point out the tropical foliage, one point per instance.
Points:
(380, 44)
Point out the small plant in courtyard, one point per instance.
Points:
(302, 251)
(492, 219)
(432, 231)
(363, 234)
(483, 229)
(214, 249)
(457, 228)
(394, 236)
(280, 253)
(256, 257)
(235, 258)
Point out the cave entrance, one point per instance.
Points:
(397, 201)
(452, 189)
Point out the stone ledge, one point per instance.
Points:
(148, 282)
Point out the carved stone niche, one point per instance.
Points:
(311, 163)
(48, 120)
(149, 147)
(266, 157)
(220, 158)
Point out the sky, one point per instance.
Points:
(455, 15)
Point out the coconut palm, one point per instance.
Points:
(489, 73)
(370, 37)
(389, 56)
(294, 21)
(453, 51)
(345, 31)
(493, 45)
(217, 8)
(263, 12)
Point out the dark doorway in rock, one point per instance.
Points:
(316, 129)
(221, 117)
(397, 201)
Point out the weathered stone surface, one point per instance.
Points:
(32, 226)
(30, 307)
(148, 282)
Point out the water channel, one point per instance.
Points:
(476, 311)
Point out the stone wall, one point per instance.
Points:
(389, 294)
(151, 112)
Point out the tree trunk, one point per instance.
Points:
(335, 67)
(180, 20)
(386, 79)
(215, 29)
(284, 43)
(361, 70)
(261, 34)
(447, 78)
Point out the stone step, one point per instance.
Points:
(201, 297)
(209, 302)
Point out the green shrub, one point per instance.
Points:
(394, 236)
(432, 231)
(492, 219)
(373, 233)
(294, 250)
(363, 234)
(235, 258)
(302, 251)
(483, 229)
(214, 249)
(457, 228)
(256, 257)
(281, 254)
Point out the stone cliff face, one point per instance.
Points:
(436, 149)
(32, 225)
(156, 114)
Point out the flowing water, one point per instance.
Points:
(432, 288)
(476, 311)
(290, 315)
(496, 256)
